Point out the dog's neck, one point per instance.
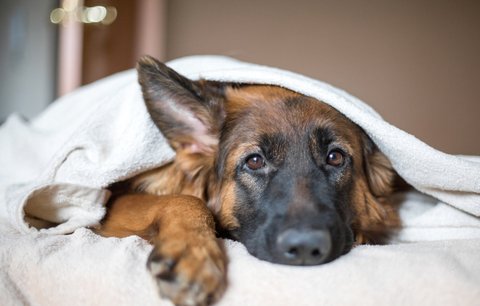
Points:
(182, 176)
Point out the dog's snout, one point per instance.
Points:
(304, 246)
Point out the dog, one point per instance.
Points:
(288, 176)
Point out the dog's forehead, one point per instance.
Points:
(264, 109)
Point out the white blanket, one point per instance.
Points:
(53, 171)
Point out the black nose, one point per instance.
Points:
(304, 246)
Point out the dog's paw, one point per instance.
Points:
(189, 272)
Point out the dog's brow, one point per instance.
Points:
(324, 135)
(273, 145)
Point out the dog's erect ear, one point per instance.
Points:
(379, 170)
(188, 113)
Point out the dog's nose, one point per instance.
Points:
(304, 246)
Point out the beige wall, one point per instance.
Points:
(416, 62)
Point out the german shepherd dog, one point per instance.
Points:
(288, 176)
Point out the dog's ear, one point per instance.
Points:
(378, 169)
(188, 113)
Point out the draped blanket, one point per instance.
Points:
(55, 168)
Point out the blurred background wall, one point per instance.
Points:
(27, 56)
(416, 62)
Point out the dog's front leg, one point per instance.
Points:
(187, 261)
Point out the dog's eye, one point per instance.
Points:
(335, 158)
(255, 162)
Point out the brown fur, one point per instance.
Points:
(169, 204)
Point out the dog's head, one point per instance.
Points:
(287, 175)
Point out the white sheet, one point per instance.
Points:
(54, 169)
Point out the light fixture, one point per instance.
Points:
(74, 10)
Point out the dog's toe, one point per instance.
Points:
(161, 268)
(189, 273)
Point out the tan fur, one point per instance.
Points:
(380, 174)
(188, 174)
(374, 217)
